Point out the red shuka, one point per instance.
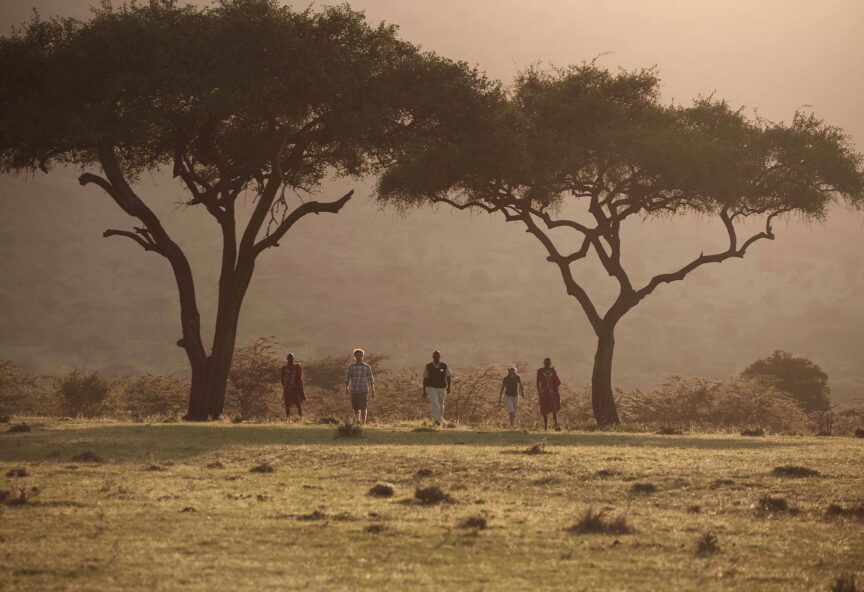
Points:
(547, 387)
(292, 384)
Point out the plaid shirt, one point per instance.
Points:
(360, 377)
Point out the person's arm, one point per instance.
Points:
(538, 383)
(347, 380)
(371, 380)
(521, 388)
(449, 379)
(425, 382)
(300, 380)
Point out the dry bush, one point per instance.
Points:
(716, 404)
(83, 392)
(349, 430)
(382, 490)
(254, 380)
(794, 471)
(431, 495)
(152, 394)
(707, 544)
(328, 373)
(22, 393)
(597, 523)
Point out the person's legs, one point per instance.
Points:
(545, 422)
(363, 414)
(555, 419)
(512, 420)
(299, 410)
(436, 397)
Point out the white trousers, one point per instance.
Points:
(436, 396)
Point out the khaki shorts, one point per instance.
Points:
(511, 403)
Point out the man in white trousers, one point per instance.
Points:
(437, 380)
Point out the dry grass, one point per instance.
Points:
(311, 525)
(593, 522)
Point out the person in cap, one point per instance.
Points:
(511, 390)
(437, 380)
(547, 390)
(293, 393)
(358, 382)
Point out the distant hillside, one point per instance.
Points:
(473, 286)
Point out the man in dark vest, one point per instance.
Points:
(436, 385)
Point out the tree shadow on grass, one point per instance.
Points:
(137, 442)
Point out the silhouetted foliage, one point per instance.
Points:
(246, 98)
(587, 136)
(805, 381)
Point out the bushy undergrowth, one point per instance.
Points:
(677, 405)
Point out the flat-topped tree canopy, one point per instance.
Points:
(244, 97)
(586, 136)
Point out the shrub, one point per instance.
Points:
(381, 490)
(82, 392)
(754, 433)
(431, 495)
(715, 404)
(19, 428)
(643, 489)
(22, 393)
(329, 372)
(153, 394)
(772, 505)
(838, 511)
(846, 583)
(475, 522)
(597, 523)
(537, 448)
(86, 456)
(262, 468)
(707, 544)
(349, 430)
(794, 471)
(254, 379)
(669, 431)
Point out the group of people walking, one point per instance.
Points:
(437, 383)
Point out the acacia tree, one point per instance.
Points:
(582, 151)
(246, 98)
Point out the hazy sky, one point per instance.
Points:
(775, 55)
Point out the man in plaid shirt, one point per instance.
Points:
(358, 380)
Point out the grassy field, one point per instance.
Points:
(177, 507)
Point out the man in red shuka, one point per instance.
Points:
(547, 389)
(292, 386)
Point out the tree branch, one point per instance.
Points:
(573, 287)
(702, 259)
(310, 207)
(138, 238)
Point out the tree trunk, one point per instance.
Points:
(602, 399)
(207, 394)
(210, 375)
